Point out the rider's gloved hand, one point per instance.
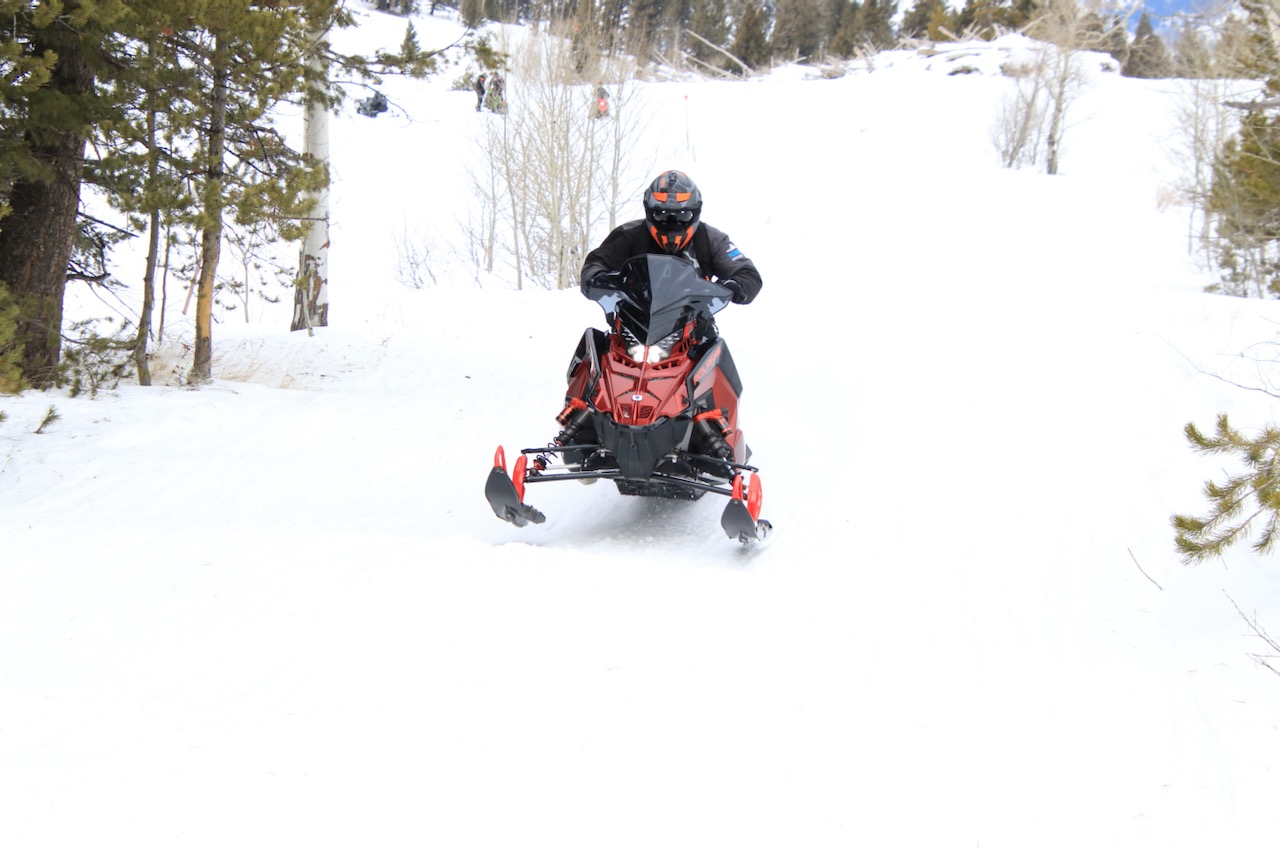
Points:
(739, 294)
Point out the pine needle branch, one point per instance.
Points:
(50, 417)
(1253, 494)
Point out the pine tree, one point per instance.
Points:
(1240, 503)
(644, 26)
(42, 150)
(144, 80)
(846, 41)
(1115, 41)
(873, 23)
(242, 58)
(1236, 52)
(1245, 201)
(917, 21)
(1244, 197)
(750, 39)
(25, 73)
(800, 29)
(986, 19)
(1148, 56)
(1191, 56)
(710, 21)
(10, 355)
(472, 13)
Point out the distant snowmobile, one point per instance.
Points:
(650, 404)
(373, 105)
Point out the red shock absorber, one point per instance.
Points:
(567, 414)
(714, 431)
(573, 418)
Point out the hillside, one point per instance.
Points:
(276, 613)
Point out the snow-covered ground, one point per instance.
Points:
(277, 614)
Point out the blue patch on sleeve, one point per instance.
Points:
(734, 251)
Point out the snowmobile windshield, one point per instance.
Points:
(660, 294)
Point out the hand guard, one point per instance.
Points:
(603, 282)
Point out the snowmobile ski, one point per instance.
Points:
(741, 518)
(506, 493)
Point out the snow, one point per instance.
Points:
(276, 612)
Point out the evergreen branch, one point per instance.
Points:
(1199, 538)
(49, 418)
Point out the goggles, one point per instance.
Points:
(663, 217)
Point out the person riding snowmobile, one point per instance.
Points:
(673, 225)
(652, 404)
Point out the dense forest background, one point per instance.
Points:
(169, 111)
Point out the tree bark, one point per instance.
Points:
(153, 246)
(36, 237)
(311, 293)
(211, 238)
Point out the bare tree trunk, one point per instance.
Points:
(153, 249)
(550, 140)
(148, 303)
(1206, 124)
(35, 243)
(211, 239)
(746, 69)
(164, 282)
(311, 294)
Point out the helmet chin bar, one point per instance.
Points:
(672, 242)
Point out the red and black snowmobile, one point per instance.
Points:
(652, 404)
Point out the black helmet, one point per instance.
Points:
(672, 207)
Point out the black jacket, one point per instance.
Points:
(711, 250)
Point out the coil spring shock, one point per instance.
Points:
(574, 417)
(714, 430)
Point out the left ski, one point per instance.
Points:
(741, 518)
(506, 495)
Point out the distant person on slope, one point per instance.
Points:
(672, 225)
(495, 97)
(479, 87)
(602, 102)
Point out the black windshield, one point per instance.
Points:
(660, 294)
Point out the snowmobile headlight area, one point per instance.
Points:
(653, 353)
(648, 355)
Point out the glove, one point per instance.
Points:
(739, 294)
(603, 282)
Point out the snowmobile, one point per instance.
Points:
(651, 404)
(373, 105)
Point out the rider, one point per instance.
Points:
(672, 224)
